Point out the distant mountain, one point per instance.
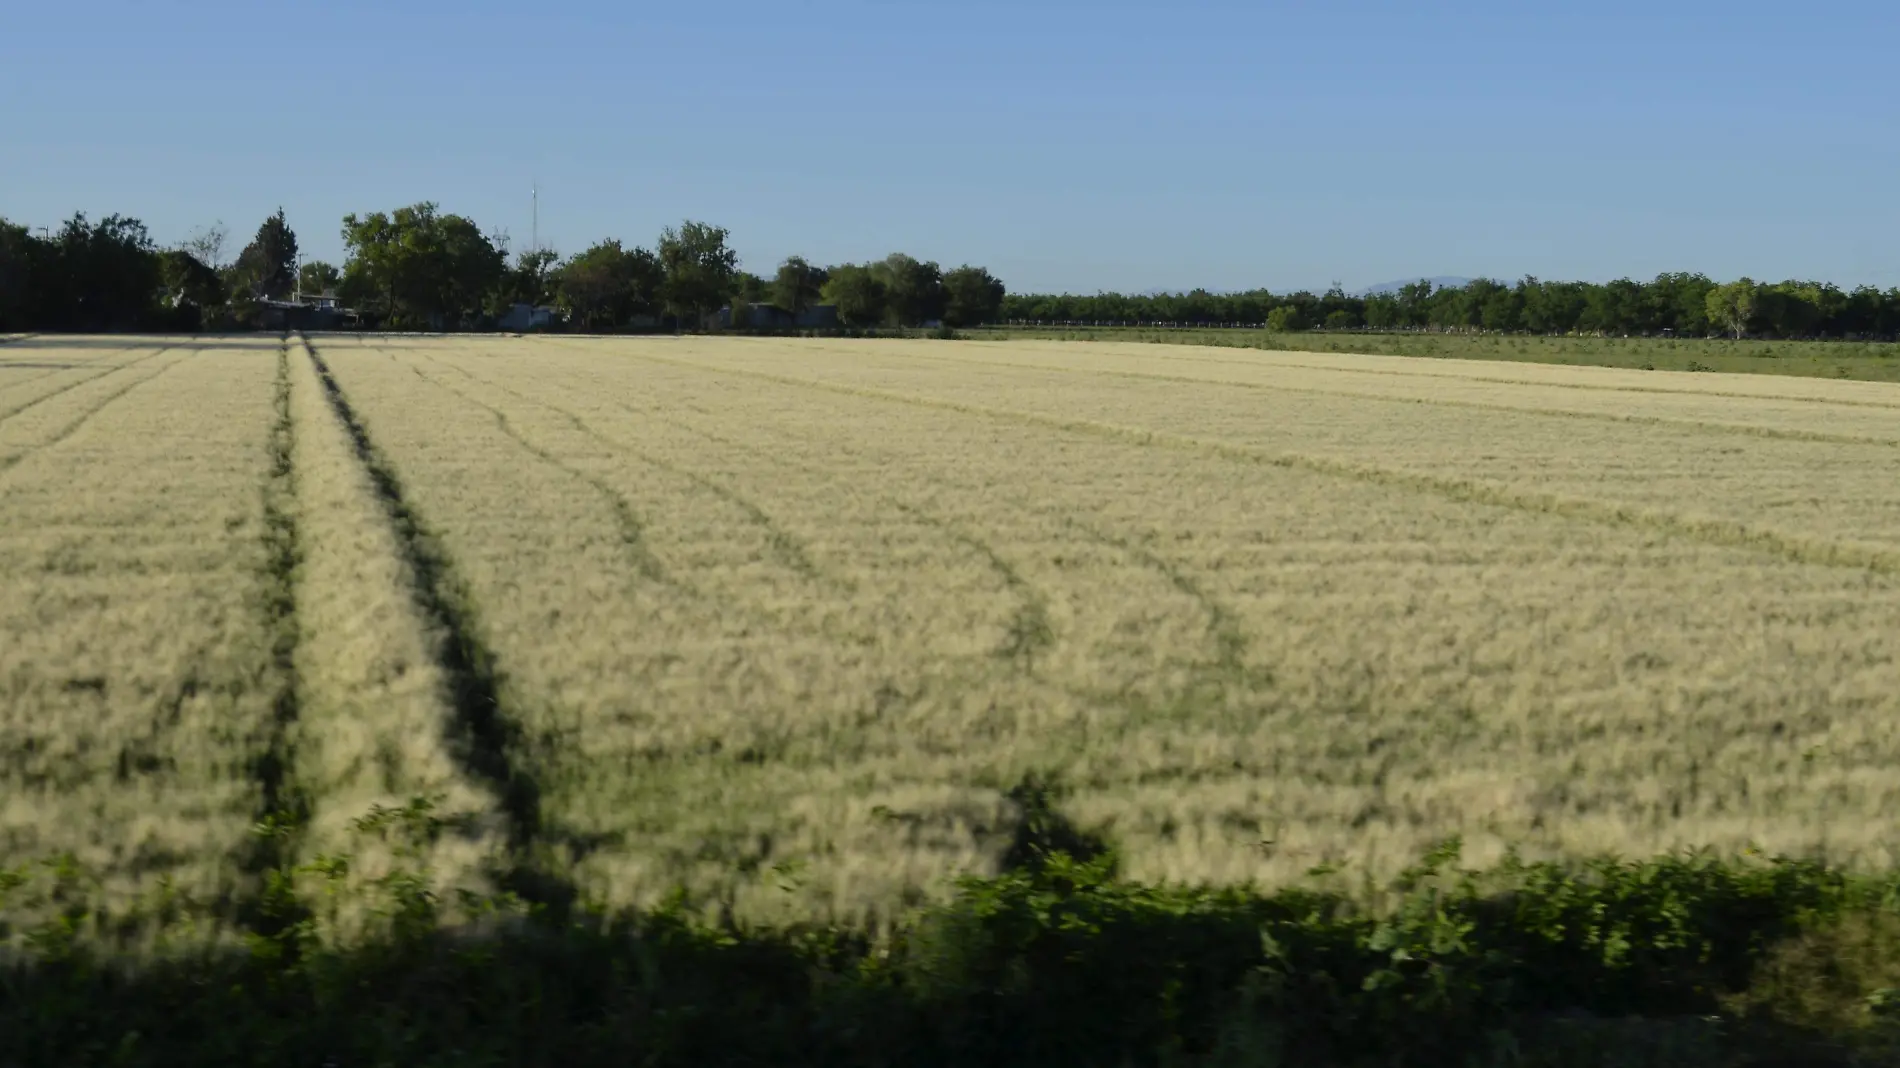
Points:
(1446, 282)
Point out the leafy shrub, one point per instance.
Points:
(1686, 959)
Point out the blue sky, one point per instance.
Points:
(1066, 145)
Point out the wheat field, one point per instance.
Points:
(780, 623)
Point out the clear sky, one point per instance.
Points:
(1067, 145)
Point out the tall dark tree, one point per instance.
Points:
(268, 265)
(1502, 310)
(858, 293)
(798, 284)
(1679, 303)
(608, 284)
(104, 275)
(699, 270)
(1383, 312)
(18, 252)
(913, 289)
(972, 295)
(1415, 303)
(419, 267)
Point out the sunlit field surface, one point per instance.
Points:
(782, 622)
(1867, 361)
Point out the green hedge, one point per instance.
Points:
(1058, 962)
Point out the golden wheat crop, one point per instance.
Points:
(782, 622)
(373, 715)
(135, 688)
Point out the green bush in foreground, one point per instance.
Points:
(1681, 960)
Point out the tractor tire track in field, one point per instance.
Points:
(790, 550)
(282, 809)
(1223, 627)
(632, 528)
(1695, 425)
(1501, 381)
(776, 537)
(484, 739)
(10, 460)
(1723, 533)
(50, 371)
(1031, 631)
(69, 387)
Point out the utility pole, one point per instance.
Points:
(535, 233)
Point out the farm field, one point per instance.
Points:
(785, 624)
(1869, 361)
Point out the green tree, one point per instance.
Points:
(1731, 306)
(1800, 309)
(1336, 309)
(609, 284)
(1861, 315)
(971, 296)
(798, 285)
(1447, 308)
(749, 288)
(699, 270)
(1682, 302)
(18, 252)
(189, 281)
(1551, 307)
(529, 280)
(100, 276)
(858, 293)
(1467, 304)
(1502, 311)
(420, 268)
(913, 289)
(268, 265)
(316, 278)
(1384, 312)
(1414, 300)
(1284, 318)
(1615, 308)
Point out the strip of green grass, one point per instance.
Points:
(1863, 361)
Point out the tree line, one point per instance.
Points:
(108, 274)
(1688, 305)
(418, 267)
